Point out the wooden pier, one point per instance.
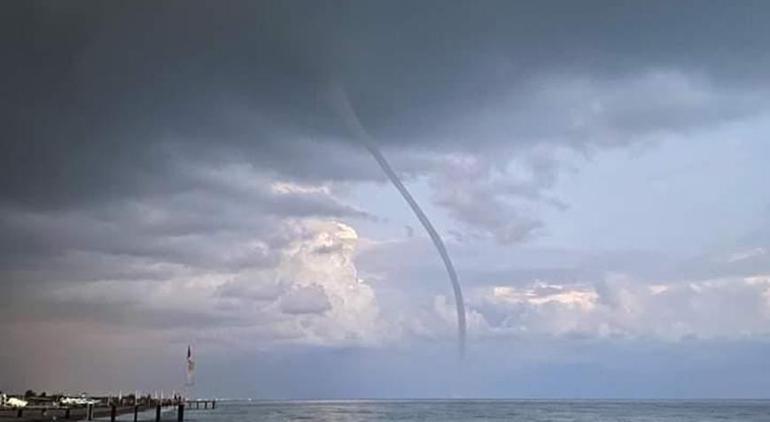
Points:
(159, 410)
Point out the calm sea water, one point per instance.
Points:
(488, 410)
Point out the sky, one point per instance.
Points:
(174, 173)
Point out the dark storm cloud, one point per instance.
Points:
(98, 96)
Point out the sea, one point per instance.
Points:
(488, 410)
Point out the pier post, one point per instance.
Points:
(67, 413)
(157, 412)
(90, 412)
(136, 412)
(113, 412)
(213, 404)
(205, 405)
(19, 412)
(197, 404)
(180, 412)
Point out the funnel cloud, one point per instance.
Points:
(344, 109)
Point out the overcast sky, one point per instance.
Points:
(173, 173)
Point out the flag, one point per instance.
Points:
(190, 367)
